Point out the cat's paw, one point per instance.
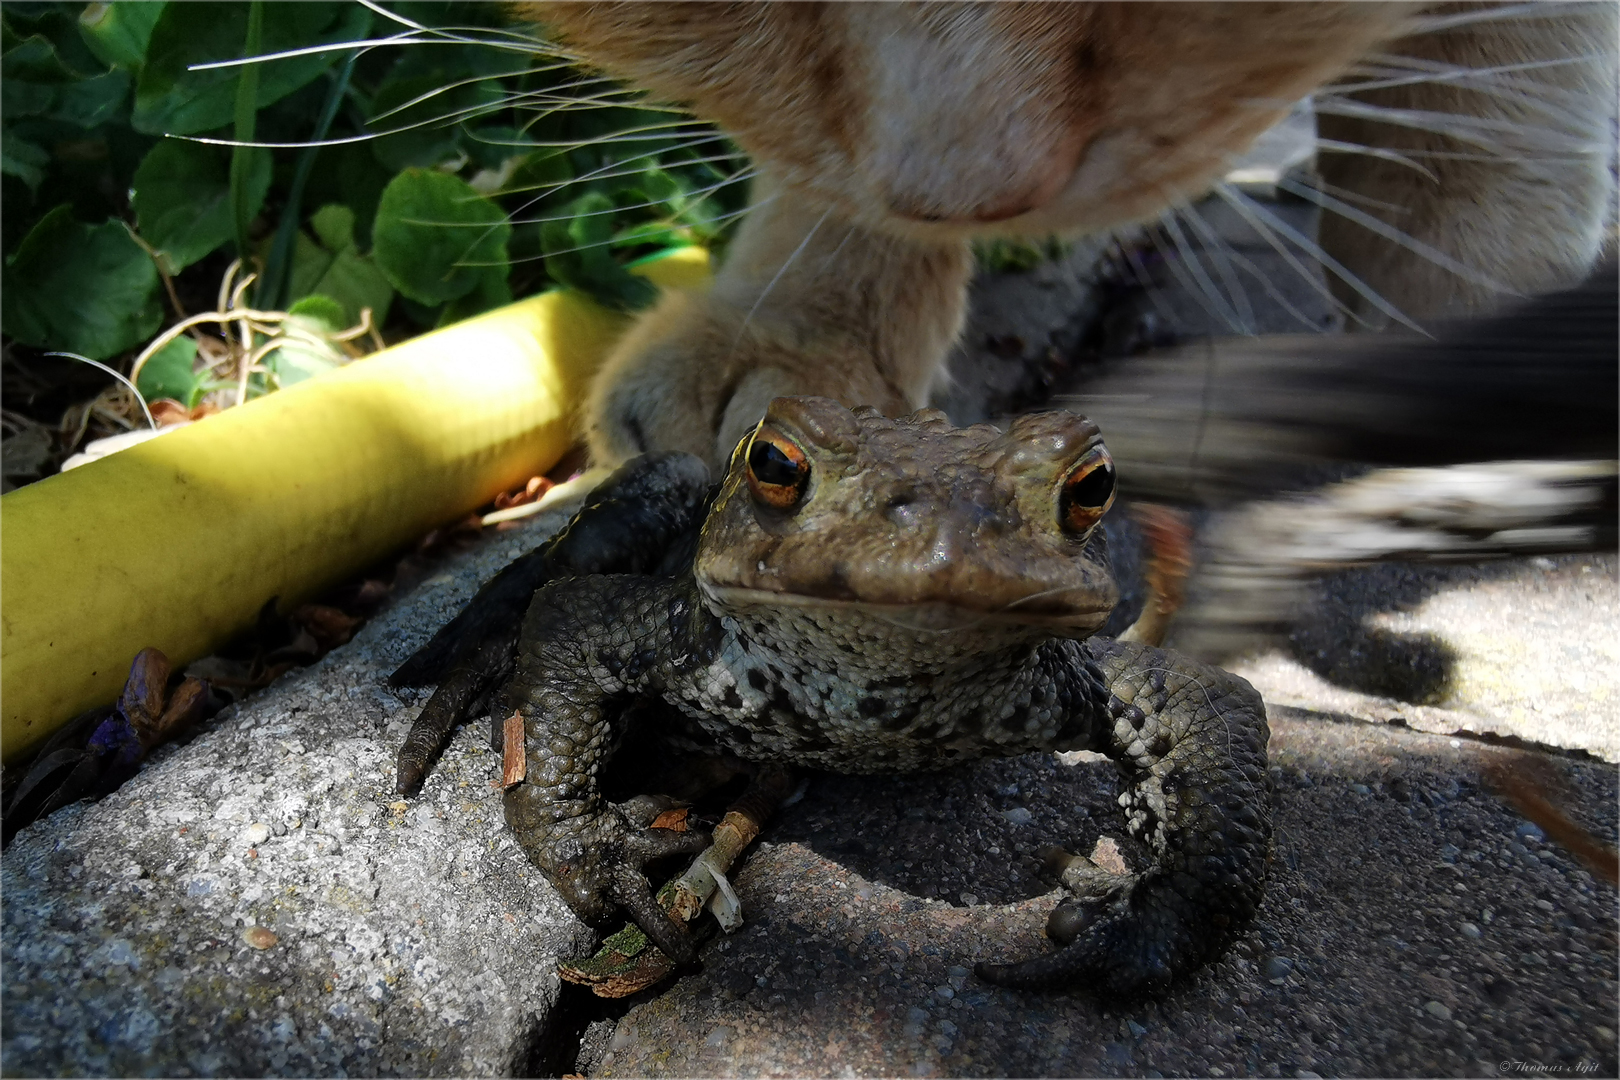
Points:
(696, 374)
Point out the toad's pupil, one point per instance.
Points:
(1094, 488)
(771, 466)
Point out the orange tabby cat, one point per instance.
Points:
(890, 134)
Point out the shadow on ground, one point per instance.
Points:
(1413, 925)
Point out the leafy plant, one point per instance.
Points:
(421, 162)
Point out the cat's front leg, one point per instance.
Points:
(805, 303)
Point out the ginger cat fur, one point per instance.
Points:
(889, 135)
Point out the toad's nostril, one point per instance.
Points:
(903, 509)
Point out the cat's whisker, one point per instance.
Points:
(1475, 131)
(506, 101)
(1277, 295)
(617, 209)
(674, 229)
(1273, 229)
(606, 89)
(1434, 24)
(631, 169)
(1127, 253)
(789, 261)
(1562, 106)
(1219, 251)
(310, 50)
(634, 135)
(1379, 70)
(609, 170)
(1189, 265)
(1356, 198)
(463, 35)
(1336, 146)
(1394, 235)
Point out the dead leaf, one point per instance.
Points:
(329, 626)
(166, 411)
(514, 762)
(673, 820)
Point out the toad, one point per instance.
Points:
(869, 595)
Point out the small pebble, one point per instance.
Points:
(1137, 1030)
(1437, 1010)
(1469, 930)
(1117, 1055)
(1277, 969)
(257, 833)
(1529, 830)
(969, 899)
(717, 1038)
(1359, 789)
(1018, 815)
(259, 937)
(1545, 905)
(1449, 853)
(1306, 1074)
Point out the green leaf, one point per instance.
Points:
(167, 373)
(540, 175)
(55, 77)
(451, 81)
(21, 158)
(436, 238)
(652, 232)
(34, 59)
(81, 288)
(92, 102)
(307, 354)
(183, 199)
(58, 23)
(324, 310)
(118, 33)
(244, 158)
(171, 99)
(492, 292)
(38, 83)
(335, 268)
(577, 255)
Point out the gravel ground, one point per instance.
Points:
(1528, 648)
(1413, 926)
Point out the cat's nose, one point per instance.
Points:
(965, 198)
(1016, 204)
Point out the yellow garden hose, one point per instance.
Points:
(178, 542)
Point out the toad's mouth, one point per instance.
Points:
(1074, 612)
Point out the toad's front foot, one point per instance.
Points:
(597, 864)
(1135, 939)
(1190, 741)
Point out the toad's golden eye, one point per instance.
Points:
(1087, 493)
(778, 471)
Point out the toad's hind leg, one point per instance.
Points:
(1191, 742)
